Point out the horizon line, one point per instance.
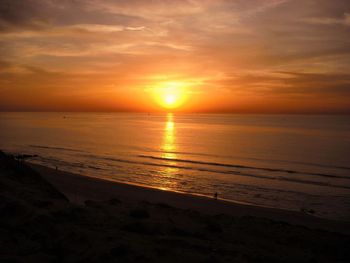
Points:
(177, 112)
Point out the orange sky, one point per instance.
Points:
(267, 56)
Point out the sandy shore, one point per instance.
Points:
(78, 189)
(54, 216)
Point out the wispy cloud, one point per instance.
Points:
(273, 50)
(345, 20)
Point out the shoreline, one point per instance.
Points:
(79, 188)
(127, 223)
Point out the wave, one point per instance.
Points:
(342, 167)
(46, 160)
(202, 169)
(56, 162)
(226, 165)
(56, 148)
(299, 162)
(244, 167)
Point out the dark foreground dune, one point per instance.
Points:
(39, 224)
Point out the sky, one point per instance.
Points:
(242, 56)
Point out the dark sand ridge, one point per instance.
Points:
(80, 188)
(39, 224)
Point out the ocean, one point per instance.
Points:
(292, 162)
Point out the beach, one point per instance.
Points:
(79, 188)
(54, 216)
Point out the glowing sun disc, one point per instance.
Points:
(170, 99)
(170, 95)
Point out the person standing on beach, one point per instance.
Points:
(216, 196)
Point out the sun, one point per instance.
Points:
(170, 94)
(170, 99)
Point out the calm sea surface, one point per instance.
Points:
(283, 161)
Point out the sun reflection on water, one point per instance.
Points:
(168, 146)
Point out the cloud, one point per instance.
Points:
(21, 14)
(289, 83)
(345, 20)
(317, 84)
(274, 48)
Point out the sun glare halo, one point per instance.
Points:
(170, 95)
